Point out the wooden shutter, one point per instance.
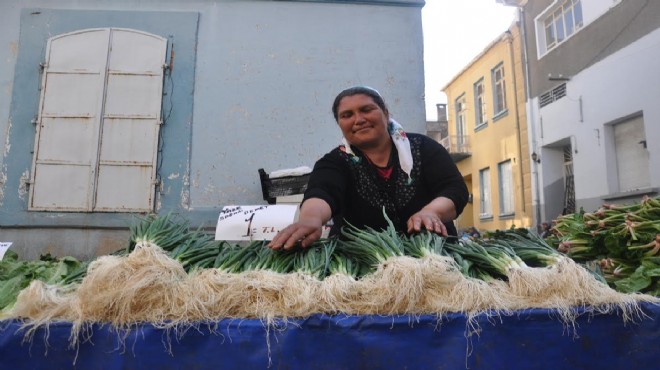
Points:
(97, 129)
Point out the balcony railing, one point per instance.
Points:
(458, 146)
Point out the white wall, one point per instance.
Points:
(622, 84)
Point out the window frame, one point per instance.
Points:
(485, 191)
(36, 27)
(100, 122)
(479, 104)
(499, 90)
(558, 23)
(502, 194)
(460, 112)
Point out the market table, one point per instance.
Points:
(528, 339)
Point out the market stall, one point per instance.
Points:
(177, 298)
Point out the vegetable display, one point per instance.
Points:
(622, 243)
(170, 275)
(16, 275)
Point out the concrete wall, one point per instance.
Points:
(606, 83)
(620, 85)
(264, 76)
(609, 26)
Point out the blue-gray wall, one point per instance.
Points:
(37, 25)
(251, 87)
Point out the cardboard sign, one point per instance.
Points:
(4, 246)
(239, 223)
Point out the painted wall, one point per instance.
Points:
(609, 26)
(264, 74)
(502, 138)
(622, 84)
(608, 63)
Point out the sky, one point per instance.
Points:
(455, 32)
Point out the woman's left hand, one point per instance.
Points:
(428, 220)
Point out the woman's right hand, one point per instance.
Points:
(302, 233)
(314, 213)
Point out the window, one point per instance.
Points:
(98, 123)
(632, 155)
(499, 89)
(506, 188)
(560, 23)
(479, 103)
(485, 207)
(461, 129)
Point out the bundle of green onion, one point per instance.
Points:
(621, 242)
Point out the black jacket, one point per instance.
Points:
(357, 195)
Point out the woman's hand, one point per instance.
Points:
(314, 213)
(433, 216)
(427, 219)
(302, 233)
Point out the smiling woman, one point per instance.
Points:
(378, 167)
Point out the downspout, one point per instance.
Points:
(509, 40)
(530, 116)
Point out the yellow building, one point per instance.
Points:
(487, 136)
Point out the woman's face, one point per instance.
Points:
(362, 121)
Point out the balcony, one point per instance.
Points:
(457, 146)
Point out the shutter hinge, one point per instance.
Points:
(34, 121)
(43, 65)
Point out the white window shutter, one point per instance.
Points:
(131, 122)
(66, 142)
(97, 130)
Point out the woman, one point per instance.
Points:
(379, 167)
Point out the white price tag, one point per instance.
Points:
(4, 246)
(254, 222)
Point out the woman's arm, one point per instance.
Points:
(442, 177)
(446, 185)
(324, 195)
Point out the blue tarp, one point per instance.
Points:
(529, 339)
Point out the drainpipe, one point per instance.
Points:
(531, 118)
(509, 40)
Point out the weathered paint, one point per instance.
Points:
(84, 244)
(37, 26)
(3, 180)
(23, 187)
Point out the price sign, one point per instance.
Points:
(254, 222)
(4, 246)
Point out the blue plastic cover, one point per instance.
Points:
(530, 339)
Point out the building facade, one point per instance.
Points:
(488, 136)
(115, 108)
(592, 101)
